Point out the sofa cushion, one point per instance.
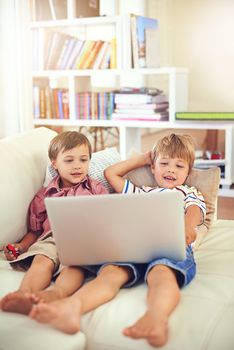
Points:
(202, 320)
(23, 163)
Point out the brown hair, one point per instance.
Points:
(173, 146)
(65, 141)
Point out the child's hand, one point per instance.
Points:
(12, 251)
(147, 158)
(190, 234)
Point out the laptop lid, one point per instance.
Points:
(115, 227)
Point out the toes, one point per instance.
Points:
(132, 332)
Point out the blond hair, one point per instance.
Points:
(175, 146)
(65, 141)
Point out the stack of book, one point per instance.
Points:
(141, 104)
(94, 105)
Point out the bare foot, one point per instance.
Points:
(18, 302)
(150, 327)
(61, 314)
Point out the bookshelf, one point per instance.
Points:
(172, 80)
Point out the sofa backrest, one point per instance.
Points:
(22, 170)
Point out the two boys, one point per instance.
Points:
(171, 161)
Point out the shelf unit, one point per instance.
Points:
(129, 132)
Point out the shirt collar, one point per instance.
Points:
(53, 186)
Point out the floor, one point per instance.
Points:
(225, 208)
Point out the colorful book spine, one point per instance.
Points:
(85, 54)
(92, 55)
(113, 54)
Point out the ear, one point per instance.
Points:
(53, 163)
(152, 168)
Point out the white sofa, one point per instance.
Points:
(203, 320)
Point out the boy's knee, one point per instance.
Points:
(159, 271)
(42, 260)
(111, 269)
(117, 274)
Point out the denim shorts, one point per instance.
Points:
(93, 270)
(185, 270)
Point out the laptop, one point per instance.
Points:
(117, 227)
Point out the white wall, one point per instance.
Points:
(198, 34)
(8, 58)
(15, 98)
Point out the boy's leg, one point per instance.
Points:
(162, 298)
(36, 278)
(65, 314)
(68, 281)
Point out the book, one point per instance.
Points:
(205, 115)
(138, 111)
(82, 63)
(160, 116)
(87, 8)
(113, 58)
(48, 102)
(36, 101)
(144, 106)
(74, 53)
(58, 9)
(80, 54)
(42, 102)
(60, 103)
(139, 98)
(148, 119)
(70, 43)
(86, 49)
(93, 54)
(105, 62)
(152, 53)
(55, 103)
(100, 56)
(139, 25)
(65, 103)
(55, 47)
(42, 10)
(134, 42)
(62, 54)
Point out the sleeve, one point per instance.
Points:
(129, 187)
(37, 212)
(194, 197)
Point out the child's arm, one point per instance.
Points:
(115, 173)
(12, 251)
(192, 220)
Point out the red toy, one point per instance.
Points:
(13, 250)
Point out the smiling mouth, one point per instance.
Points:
(169, 178)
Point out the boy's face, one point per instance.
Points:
(72, 165)
(170, 172)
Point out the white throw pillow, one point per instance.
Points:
(99, 162)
